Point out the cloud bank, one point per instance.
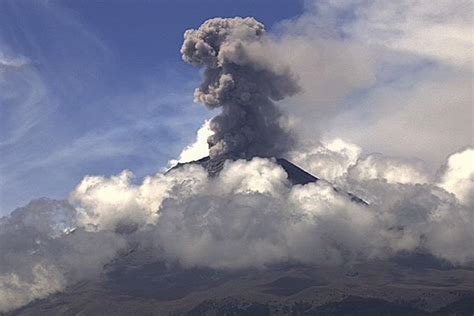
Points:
(248, 216)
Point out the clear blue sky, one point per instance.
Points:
(94, 87)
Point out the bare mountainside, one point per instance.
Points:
(133, 285)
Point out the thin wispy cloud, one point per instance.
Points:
(64, 106)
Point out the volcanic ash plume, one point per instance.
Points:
(243, 79)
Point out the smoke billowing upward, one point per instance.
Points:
(249, 215)
(240, 79)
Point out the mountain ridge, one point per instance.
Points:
(296, 175)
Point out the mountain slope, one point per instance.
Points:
(296, 175)
(128, 287)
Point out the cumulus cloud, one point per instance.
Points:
(16, 290)
(458, 176)
(109, 203)
(407, 197)
(390, 169)
(43, 249)
(247, 216)
(329, 160)
(336, 160)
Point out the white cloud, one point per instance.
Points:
(197, 150)
(42, 250)
(15, 291)
(25, 99)
(441, 30)
(458, 176)
(106, 203)
(8, 61)
(392, 76)
(329, 160)
(247, 216)
(390, 169)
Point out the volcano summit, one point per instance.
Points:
(244, 231)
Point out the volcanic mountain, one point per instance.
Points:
(136, 283)
(296, 175)
(143, 266)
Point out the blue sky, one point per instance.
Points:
(94, 87)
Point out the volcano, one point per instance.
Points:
(296, 175)
(134, 285)
(137, 283)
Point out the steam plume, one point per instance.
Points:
(242, 81)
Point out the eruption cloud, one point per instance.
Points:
(243, 82)
(249, 215)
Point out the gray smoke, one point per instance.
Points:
(243, 80)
